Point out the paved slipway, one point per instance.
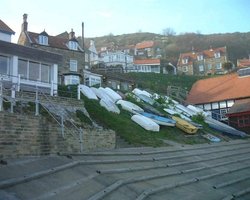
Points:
(208, 171)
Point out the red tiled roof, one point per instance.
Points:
(147, 62)
(54, 41)
(243, 63)
(221, 88)
(5, 28)
(145, 44)
(192, 56)
(240, 106)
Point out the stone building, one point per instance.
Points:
(203, 62)
(73, 64)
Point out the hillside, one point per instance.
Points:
(238, 44)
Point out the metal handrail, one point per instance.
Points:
(39, 91)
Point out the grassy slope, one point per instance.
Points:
(133, 133)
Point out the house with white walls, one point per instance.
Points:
(118, 59)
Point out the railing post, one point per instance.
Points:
(18, 82)
(78, 92)
(13, 95)
(1, 94)
(37, 103)
(52, 88)
(81, 139)
(62, 125)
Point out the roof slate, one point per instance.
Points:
(221, 88)
(145, 44)
(5, 28)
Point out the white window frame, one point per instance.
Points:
(199, 57)
(217, 54)
(73, 45)
(184, 60)
(218, 65)
(8, 65)
(201, 68)
(185, 68)
(73, 65)
(43, 40)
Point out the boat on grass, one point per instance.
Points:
(129, 106)
(159, 119)
(184, 125)
(217, 125)
(109, 105)
(86, 91)
(145, 123)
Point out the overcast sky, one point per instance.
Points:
(102, 17)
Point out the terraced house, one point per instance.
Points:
(205, 62)
(73, 64)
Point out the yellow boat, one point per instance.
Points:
(184, 125)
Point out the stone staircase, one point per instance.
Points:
(207, 171)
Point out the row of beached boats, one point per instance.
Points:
(150, 118)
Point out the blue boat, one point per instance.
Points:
(158, 119)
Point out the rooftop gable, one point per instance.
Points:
(54, 41)
(5, 28)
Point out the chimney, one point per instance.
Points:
(71, 35)
(83, 35)
(25, 23)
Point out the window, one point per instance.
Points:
(244, 121)
(209, 66)
(223, 104)
(218, 65)
(23, 68)
(43, 40)
(72, 45)
(200, 57)
(215, 105)
(45, 73)
(223, 113)
(201, 68)
(34, 71)
(184, 60)
(73, 65)
(4, 65)
(185, 69)
(71, 80)
(217, 54)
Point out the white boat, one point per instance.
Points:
(109, 105)
(146, 99)
(172, 111)
(146, 123)
(137, 92)
(165, 121)
(100, 93)
(112, 94)
(223, 127)
(129, 106)
(86, 91)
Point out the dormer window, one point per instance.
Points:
(199, 57)
(217, 54)
(184, 60)
(73, 45)
(43, 38)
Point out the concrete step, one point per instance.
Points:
(137, 174)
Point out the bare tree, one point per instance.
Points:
(169, 31)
